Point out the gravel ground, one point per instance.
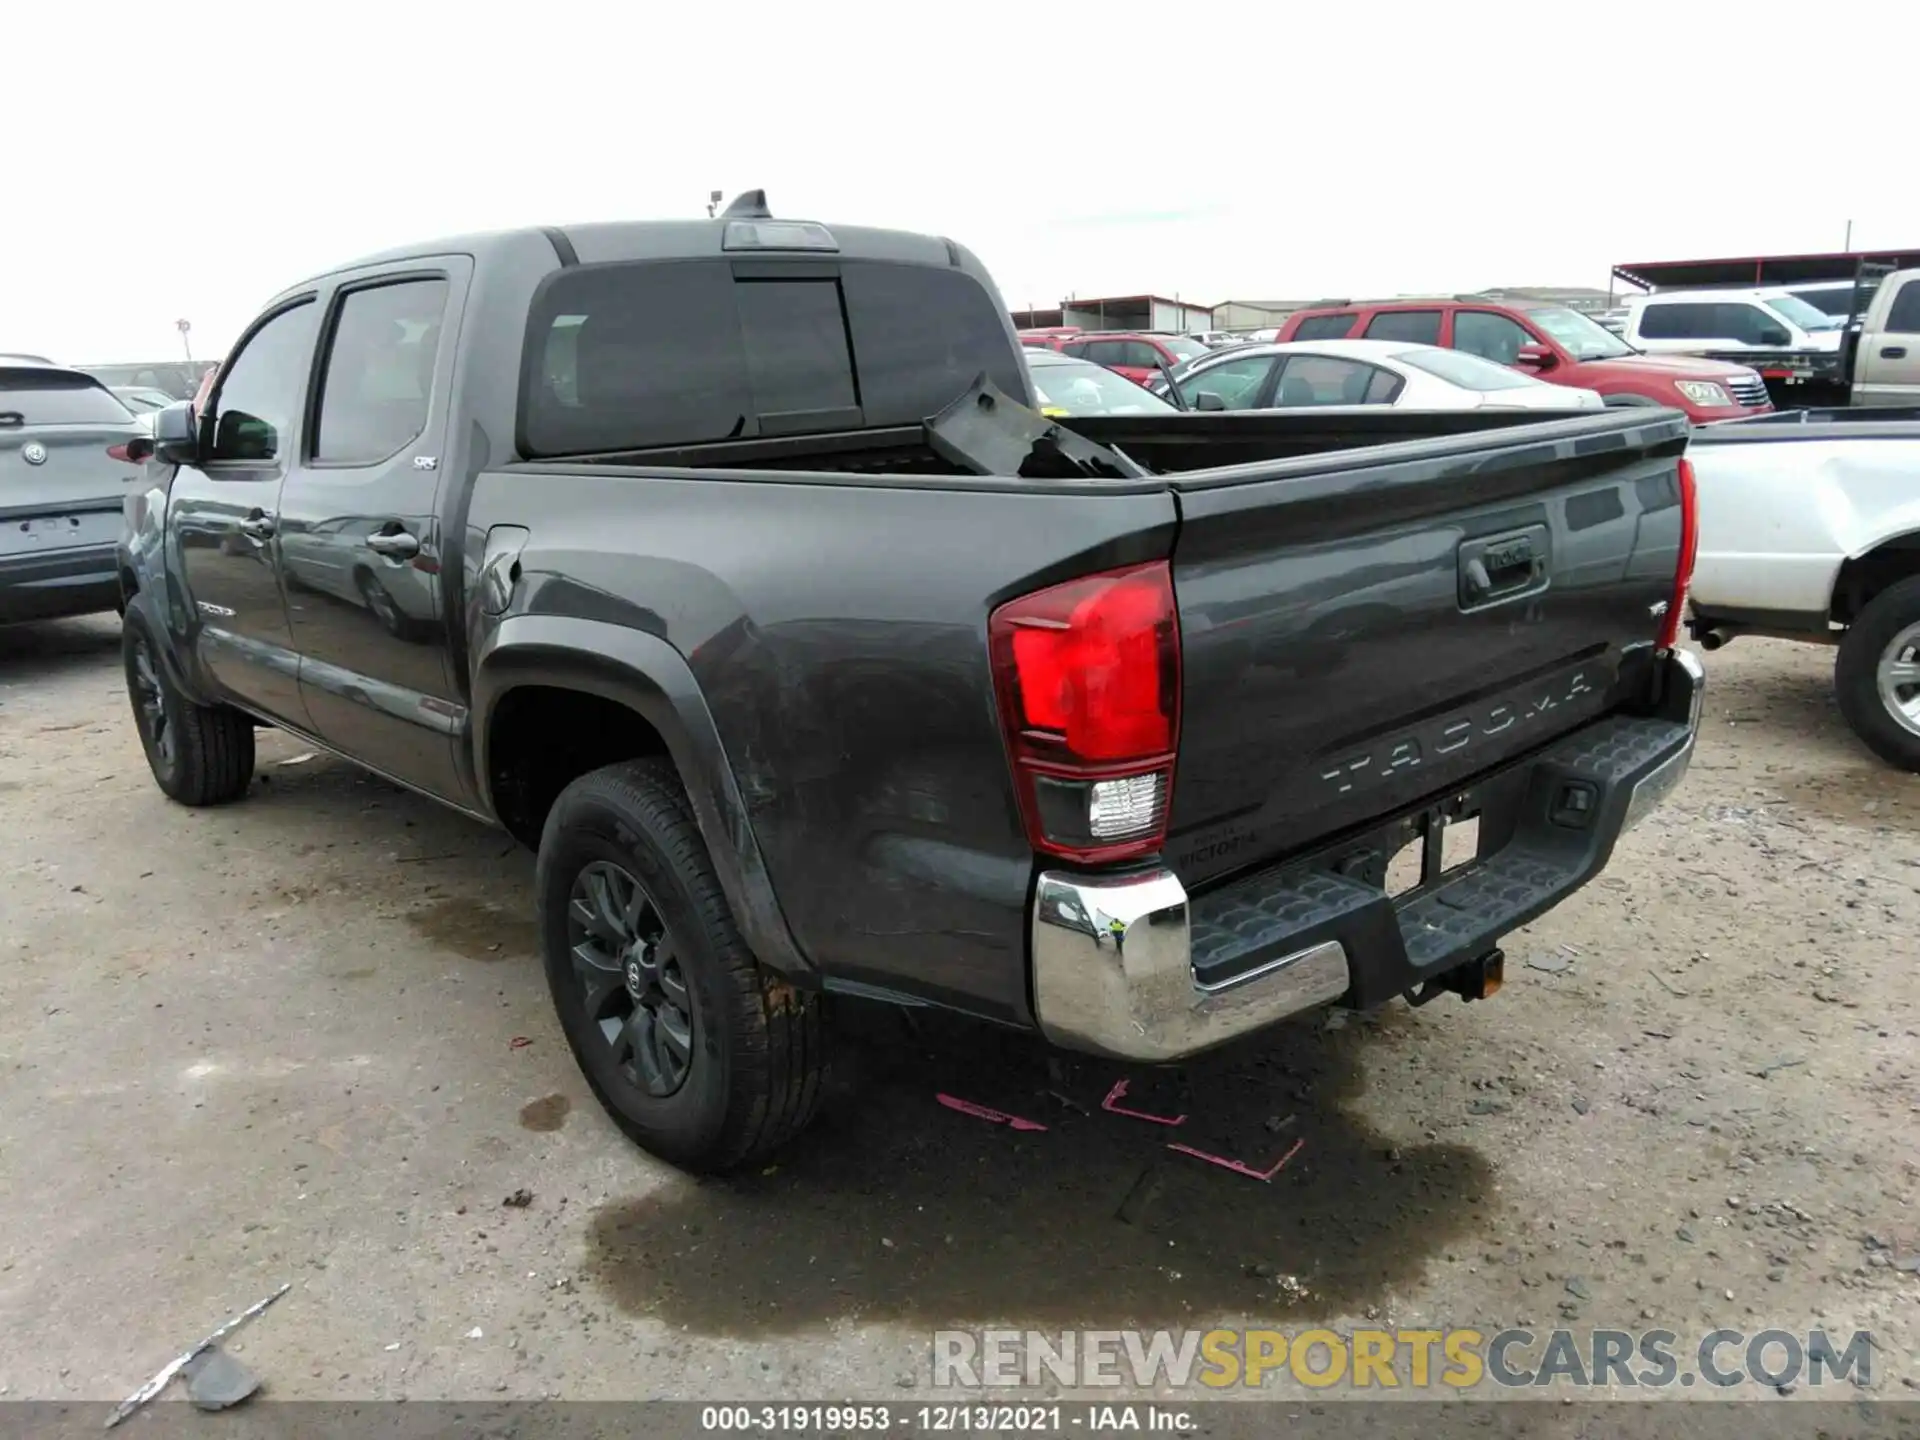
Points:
(305, 1038)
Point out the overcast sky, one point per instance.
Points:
(1216, 151)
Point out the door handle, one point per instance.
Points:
(1893, 352)
(395, 545)
(259, 525)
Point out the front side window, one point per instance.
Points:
(1903, 318)
(1751, 324)
(263, 388)
(1236, 382)
(1488, 335)
(1421, 327)
(1324, 380)
(378, 381)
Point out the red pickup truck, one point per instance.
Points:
(1553, 342)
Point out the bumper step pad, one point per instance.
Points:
(1540, 858)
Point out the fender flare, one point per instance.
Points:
(649, 677)
(146, 605)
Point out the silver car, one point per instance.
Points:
(64, 467)
(1366, 372)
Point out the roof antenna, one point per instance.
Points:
(748, 205)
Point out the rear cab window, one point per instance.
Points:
(32, 396)
(636, 355)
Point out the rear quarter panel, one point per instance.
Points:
(838, 632)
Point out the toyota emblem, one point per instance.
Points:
(34, 453)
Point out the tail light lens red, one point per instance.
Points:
(1088, 678)
(1689, 552)
(119, 452)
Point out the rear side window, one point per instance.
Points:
(379, 377)
(1678, 321)
(1422, 327)
(1707, 320)
(639, 355)
(56, 397)
(1324, 327)
(1325, 380)
(1903, 318)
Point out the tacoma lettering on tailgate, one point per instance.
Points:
(1396, 754)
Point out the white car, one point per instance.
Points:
(1810, 530)
(1367, 372)
(1721, 322)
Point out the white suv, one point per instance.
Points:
(1691, 322)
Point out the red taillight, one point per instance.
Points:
(119, 452)
(1689, 552)
(1088, 677)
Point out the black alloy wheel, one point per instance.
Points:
(150, 707)
(632, 987)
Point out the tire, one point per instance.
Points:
(1884, 632)
(755, 1048)
(199, 754)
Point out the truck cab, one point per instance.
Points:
(1685, 322)
(1553, 342)
(1886, 357)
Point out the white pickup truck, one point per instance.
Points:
(1810, 530)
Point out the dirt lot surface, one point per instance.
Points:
(306, 1038)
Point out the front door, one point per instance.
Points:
(221, 519)
(1889, 359)
(360, 535)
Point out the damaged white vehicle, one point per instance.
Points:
(1810, 530)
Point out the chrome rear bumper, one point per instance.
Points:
(1117, 970)
(1113, 972)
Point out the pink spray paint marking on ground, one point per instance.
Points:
(1113, 1106)
(992, 1117)
(1236, 1166)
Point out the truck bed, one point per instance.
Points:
(1331, 660)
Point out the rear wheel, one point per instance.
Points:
(1876, 676)
(697, 1051)
(199, 754)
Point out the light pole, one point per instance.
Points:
(713, 202)
(183, 326)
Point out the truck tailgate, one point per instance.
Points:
(1365, 629)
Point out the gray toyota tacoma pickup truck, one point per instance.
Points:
(726, 563)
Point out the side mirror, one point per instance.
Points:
(1207, 400)
(176, 434)
(1774, 335)
(1533, 357)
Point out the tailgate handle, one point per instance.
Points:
(1501, 567)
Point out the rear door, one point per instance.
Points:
(1889, 364)
(60, 488)
(222, 519)
(360, 539)
(1363, 630)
